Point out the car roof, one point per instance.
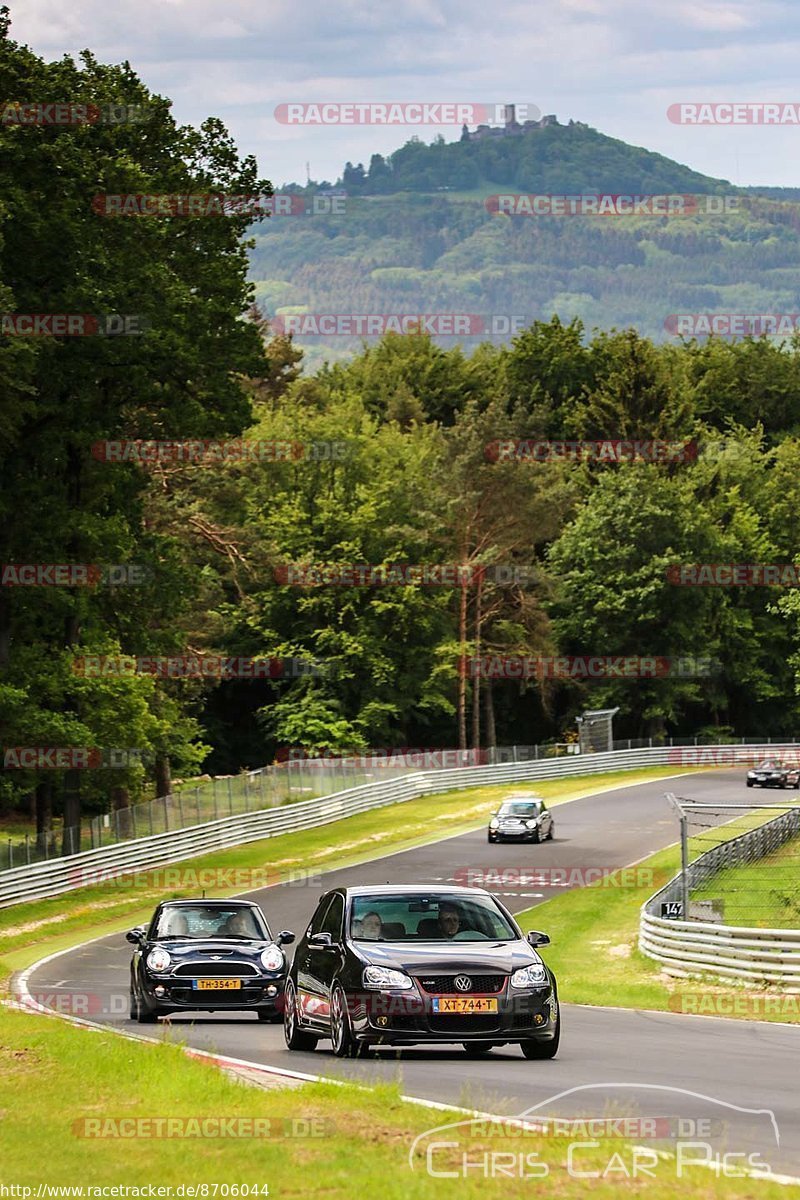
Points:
(209, 903)
(521, 796)
(410, 890)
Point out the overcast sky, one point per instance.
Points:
(615, 64)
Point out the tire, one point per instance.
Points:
(342, 1040)
(139, 1013)
(490, 839)
(473, 1049)
(296, 1039)
(749, 783)
(552, 832)
(536, 838)
(797, 784)
(269, 1014)
(541, 1050)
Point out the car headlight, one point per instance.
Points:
(494, 823)
(532, 824)
(751, 774)
(272, 959)
(531, 976)
(158, 959)
(385, 977)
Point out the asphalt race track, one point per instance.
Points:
(746, 1064)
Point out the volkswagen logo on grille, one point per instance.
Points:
(463, 983)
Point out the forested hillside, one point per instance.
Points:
(417, 236)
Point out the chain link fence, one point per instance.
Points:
(286, 783)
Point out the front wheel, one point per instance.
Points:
(551, 834)
(344, 1044)
(749, 783)
(540, 1050)
(269, 1014)
(296, 1039)
(139, 1012)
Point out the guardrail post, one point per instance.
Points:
(685, 866)
(27, 850)
(166, 816)
(150, 814)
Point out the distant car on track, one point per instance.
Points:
(774, 773)
(522, 817)
(207, 955)
(403, 965)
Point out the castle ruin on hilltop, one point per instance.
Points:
(510, 128)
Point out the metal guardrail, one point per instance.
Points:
(53, 877)
(727, 951)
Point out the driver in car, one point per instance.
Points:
(449, 920)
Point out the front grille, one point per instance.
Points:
(443, 985)
(204, 1000)
(465, 1023)
(223, 970)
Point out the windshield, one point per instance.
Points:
(205, 921)
(428, 918)
(520, 808)
(769, 764)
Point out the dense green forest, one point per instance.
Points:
(389, 462)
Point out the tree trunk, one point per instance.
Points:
(44, 814)
(163, 776)
(121, 803)
(71, 836)
(463, 668)
(488, 714)
(476, 679)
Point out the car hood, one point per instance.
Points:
(203, 947)
(443, 957)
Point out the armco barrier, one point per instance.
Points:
(59, 875)
(51, 878)
(725, 951)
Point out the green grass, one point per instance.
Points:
(764, 894)
(595, 955)
(59, 1083)
(30, 930)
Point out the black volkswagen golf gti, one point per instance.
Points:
(210, 955)
(400, 965)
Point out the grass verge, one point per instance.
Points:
(595, 954)
(81, 1109)
(33, 929)
(764, 894)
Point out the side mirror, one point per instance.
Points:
(285, 937)
(320, 940)
(135, 936)
(535, 938)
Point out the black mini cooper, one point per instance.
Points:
(400, 965)
(207, 955)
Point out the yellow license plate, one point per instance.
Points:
(217, 985)
(464, 1004)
